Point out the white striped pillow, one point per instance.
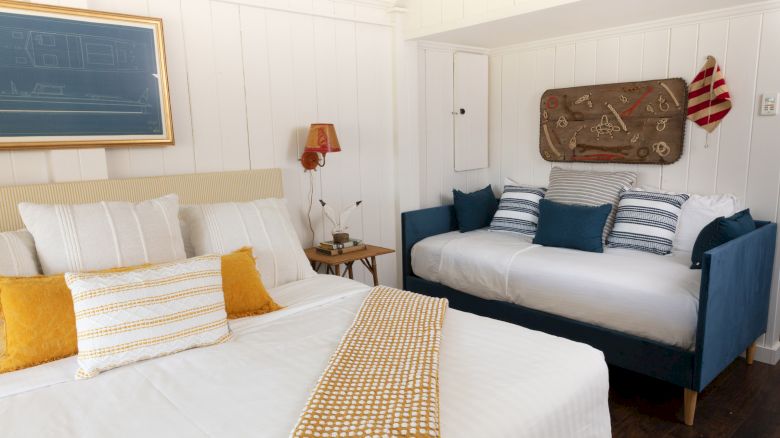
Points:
(126, 317)
(589, 188)
(518, 210)
(17, 254)
(647, 221)
(264, 225)
(104, 235)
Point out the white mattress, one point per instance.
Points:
(647, 295)
(497, 380)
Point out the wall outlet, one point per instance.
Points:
(769, 104)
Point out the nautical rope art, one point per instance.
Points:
(636, 122)
(604, 127)
(383, 379)
(708, 96)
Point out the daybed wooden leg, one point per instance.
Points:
(750, 353)
(689, 405)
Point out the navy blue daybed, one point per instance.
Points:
(733, 305)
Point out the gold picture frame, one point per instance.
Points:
(77, 78)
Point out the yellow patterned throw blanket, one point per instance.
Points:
(383, 380)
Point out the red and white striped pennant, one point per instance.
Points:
(708, 96)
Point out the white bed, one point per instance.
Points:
(651, 296)
(497, 380)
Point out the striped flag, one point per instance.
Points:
(708, 96)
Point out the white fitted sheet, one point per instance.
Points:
(497, 379)
(647, 295)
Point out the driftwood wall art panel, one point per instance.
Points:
(633, 122)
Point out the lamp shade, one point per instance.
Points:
(322, 138)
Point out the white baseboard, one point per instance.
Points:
(770, 355)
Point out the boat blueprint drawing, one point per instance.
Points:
(52, 98)
(75, 77)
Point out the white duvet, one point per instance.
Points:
(497, 380)
(647, 295)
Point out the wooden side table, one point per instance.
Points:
(333, 263)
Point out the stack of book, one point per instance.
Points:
(332, 248)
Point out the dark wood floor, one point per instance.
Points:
(744, 401)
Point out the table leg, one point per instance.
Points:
(373, 271)
(370, 264)
(338, 270)
(349, 270)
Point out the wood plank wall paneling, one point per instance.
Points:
(180, 158)
(740, 157)
(436, 176)
(763, 185)
(436, 165)
(375, 97)
(247, 77)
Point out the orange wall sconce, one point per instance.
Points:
(321, 140)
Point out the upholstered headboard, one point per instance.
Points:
(192, 189)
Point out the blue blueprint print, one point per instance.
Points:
(61, 77)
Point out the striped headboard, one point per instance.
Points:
(192, 189)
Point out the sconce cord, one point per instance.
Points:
(311, 201)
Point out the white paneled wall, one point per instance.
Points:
(437, 157)
(247, 77)
(741, 157)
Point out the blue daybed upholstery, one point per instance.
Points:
(733, 306)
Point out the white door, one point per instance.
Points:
(470, 111)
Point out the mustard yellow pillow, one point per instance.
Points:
(40, 325)
(245, 293)
(2, 333)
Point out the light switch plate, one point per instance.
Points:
(769, 104)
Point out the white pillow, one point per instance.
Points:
(513, 182)
(17, 254)
(646, 221)
(126, 317)
(699, 211)
(264, 225)
(90, 237)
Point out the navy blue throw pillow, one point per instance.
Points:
(720, 231)
(571, 225)
(474, 210)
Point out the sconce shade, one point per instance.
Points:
(322, 138)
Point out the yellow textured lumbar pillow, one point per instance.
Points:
(245, 293)
(40, 325)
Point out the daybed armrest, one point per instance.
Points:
(733, 301)
(419, 224)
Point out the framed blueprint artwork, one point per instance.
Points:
(81, 78)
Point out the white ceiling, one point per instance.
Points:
(581, 16)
